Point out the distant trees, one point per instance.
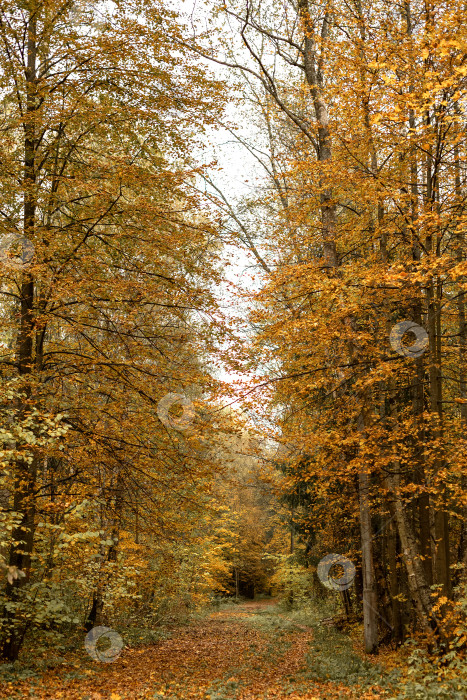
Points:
(249, 528)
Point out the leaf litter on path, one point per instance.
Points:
(223, 657)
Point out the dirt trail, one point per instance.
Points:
(229, 654)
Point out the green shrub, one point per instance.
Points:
(292, 581)
(434, 678)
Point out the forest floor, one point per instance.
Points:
(253, 650)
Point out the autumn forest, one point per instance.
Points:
(233, 349)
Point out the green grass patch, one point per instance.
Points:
(331, 658)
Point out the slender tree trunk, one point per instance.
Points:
(418, 585)
(97, 607)
(370, 601)
(433, 294)
(420, 475)
(314, 77)
(292, 529)
(26, 473)
(462, 325)
(394, 582)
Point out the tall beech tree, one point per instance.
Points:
(115, 308)
(363, 106)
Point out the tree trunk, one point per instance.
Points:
(462, 325)
(418, 585)
(25, 477)
(292, 529)
(370, 602)
(433, 295)
(394, 582)
(314, 77)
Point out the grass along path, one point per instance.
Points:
(248, 651)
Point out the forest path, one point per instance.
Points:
(248, 651)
